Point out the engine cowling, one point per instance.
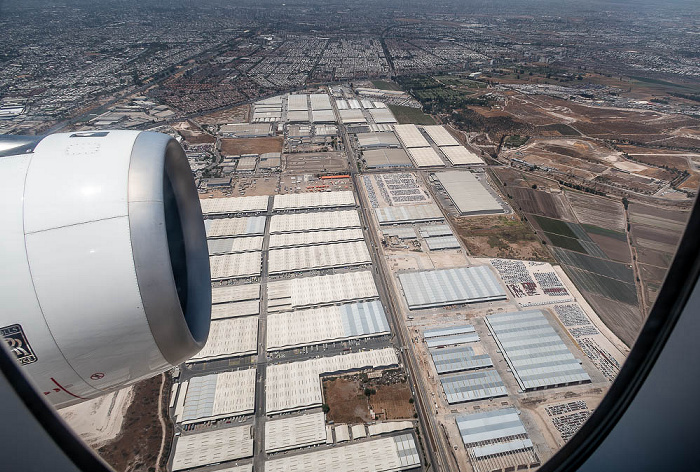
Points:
(105, 270)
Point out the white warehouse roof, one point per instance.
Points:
(294, 432)
(210, 447)
(229, 338)
(411, 136)
(320, 101)
(235, 309)
(234, 245)
(315, 237)
(293, 201)
(235, 293)
(220, 206)
(440, 135)
(219, 396)
(244, 226)
(425, 157)
(459, 155)
(228, 266)
(318, 257)
(297, 102)
(467, 193)
(294, 222)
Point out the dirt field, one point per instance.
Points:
(612, 247)
(238, 146)
(597, 211)
(500, 236)
(541, 203)
(232, 115)
(346, 400)
(624, 320)
(392, 402)
(192, 134)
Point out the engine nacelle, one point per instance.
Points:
(104, 267)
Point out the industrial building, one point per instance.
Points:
(235, 293)
(399, 232)
(315, 237)
(212, 447)
(388, 427)
(473, 386)
(235, 309)
(450, 336)
(246, 130)
(323, 116)
(535, 353)
(436, 243)
(228, 205)
(297, 102)
(411, 136)
(388, 454)
(346, 254)
(459, 155)
(381, 158)
(352, 116)
(320, 101)
(234, 245)
(298, 116)
(425, 157)
(231, 266)
(295, 385)
(270, 161)
(440, 136)
(458, 359)
(300, 222)
(247, 164)
(326, 324)
(231, 227)
(221, 395)
(297, 201)
(408, 214)
(467, 193)
(320, 290)
(231, 337)
(432, 231)
(377, 140)
(433, 288)
(294, 432)
(382, 115)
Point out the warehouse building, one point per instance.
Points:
(433, 288)
(323, 116)
(459, 155)
(212, 447)
(382, 115)
(437, 243)
(298, 201)
(318, 257)
(235, 309)
(440, 136)
(320, 290)
(234, 245)
(408, 214)
(352, 116)
(270, 161)
(425, 157)
(326, 324)
(535, 353)
(473, 386)
(246, 130)
(377, 140)
(432, 231)
(299, 222)
(458, 359)
(221, 395)
(411, 136)
(235, 293)
(232, 266)
(315, 237)
(449, 336)
(298, 116)
(467, 193)
(230, 338)
(228, 205)
(231, 227)
(294, 432)
(388, 454)
(296, 385)
(399, 232)
(297, 102)
(385, 158)
(320, 101)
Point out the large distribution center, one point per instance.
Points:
(411, 136)
(293, 201)
(293, 222)
(229, 338)
(459, 155)
(433, 288)
(229, 266)
(235, 309)
(320, 290)
(425, 157)
(440, 136)
(315, 237)
(450, 336)
(457, 359)
(473, 386)
(211, 447)
(234, 245)
(377, 140)
(408, 214)
(344, 254)
(219, 396)
(467, 193)
(378, 158)
(228, 227)
(534, 351)
(383, 454)
(295, 385)
(293, 432)
(326, 324)
(223, 206)
(235, 293)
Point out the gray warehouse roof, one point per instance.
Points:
(467, 193)
(433, 288)
(490, 425)
(404, 214)
(433, 333)
(442, 242)
(473, 386)
(456, 359)
(452, 340)
(435, 230)
(386, 139)
(386, 158)
(534, 351)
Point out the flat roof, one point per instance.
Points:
(234, 245)
(435, 230)
(221, 206)
(320, 290)
(459, 155)
(447, 331)
(534, 351)
(315, 237)
(352, 116)
(210, 447)
(297, 102)
(442, 242)
(323, 116)
(325, 324)
(489, 426)
(294, 432)
(294, 201)
(344, 254)
(425, 157)
(219, 396)
(228, 266)
(230, 338)
(410, 136)
(387, 157)
(235, 293)
(452, 340)
(473, 386)
(374, 140)
(433, 288)
(440, 135)
(388, 427)
(235, 309)
(382, 115)
(295, 385)
(320, 101)
(244, 226)
(382, 454)
(409, 213)
(457, 359)
(298, 116)
(467, 193)
(297, 222)
(399, 232)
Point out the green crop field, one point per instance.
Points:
(550, 225)
(406, 115)
(384, 85)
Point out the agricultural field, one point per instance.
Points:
(384, 85)
(604, 286)
(602, 267)
(238, 146)
(537, 202)
(407, 115)
(597, 211)
(623, 319)
(567, 235)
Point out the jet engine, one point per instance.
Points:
(104, 266)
